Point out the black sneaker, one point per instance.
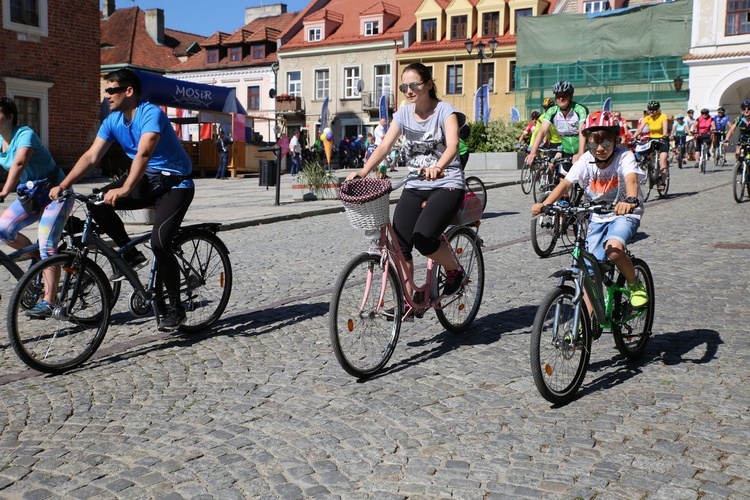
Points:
(135, 260)
(454, 280)
(171, 321)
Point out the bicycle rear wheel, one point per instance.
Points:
(363, 327)
(457, 312)
(527, 177)
(79, 320)
(205, 278)
(632, 327)
(475, 185)
(559, 359)
(739, 183)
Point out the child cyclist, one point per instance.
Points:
(609, 174)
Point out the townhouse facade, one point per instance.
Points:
(50, 67)
(719, 55)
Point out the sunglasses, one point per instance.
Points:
(745, 109)
(413, 86)
(593, 145)
(115, 90)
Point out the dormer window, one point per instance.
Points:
(235, 54)
(372, 28)
(314, 34)
(458, 27)
(259, 52)
(491, 24)
(212, 56)
(429, 30)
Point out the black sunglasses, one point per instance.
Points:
(115, 90)
(413, 86)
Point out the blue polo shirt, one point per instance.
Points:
(41, 163)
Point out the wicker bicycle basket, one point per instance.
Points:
(366, 202)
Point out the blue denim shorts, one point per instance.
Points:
(622, 229)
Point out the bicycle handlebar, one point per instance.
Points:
(97, 198)
(586, 208)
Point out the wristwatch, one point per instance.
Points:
(632, 200)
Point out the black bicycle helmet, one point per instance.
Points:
(704, 111)
(652, 105)
(535, 115)
(721, 108)
(745, 103)
(563, 87)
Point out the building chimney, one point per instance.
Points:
(108, 8)
(253, 13)
(155, 25)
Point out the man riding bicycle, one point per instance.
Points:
(721, 120)
(742, 122)
(658, 125)
(566, 116)
(159, 175)
(703, 127)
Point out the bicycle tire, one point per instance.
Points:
(453, 312)
(539, 185)
(205, 278)
(703, 162)
(545, 230)
(631, 328)
(60, 342)
(527, 178)
(663, 190)
(680, 157)
(739, 179)
(645, 165)
(116, 286)
(363, 329)
(558, 365)
(476, 186)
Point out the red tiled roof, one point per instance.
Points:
(325, 15)
(726, 55)
(263, 29)
(506, 39)
(125, 41)
(348, 32)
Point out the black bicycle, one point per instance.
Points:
(84, 299)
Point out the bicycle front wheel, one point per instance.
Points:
(545, 229)
(740, 181)
(457, 312)
(632, 326)
(365, 315)
(527, 177)
(205, 278)
(76, 326)
(559, 356)
(663, 189)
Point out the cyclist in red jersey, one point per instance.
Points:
(702, 128)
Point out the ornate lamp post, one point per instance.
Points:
(482, 56)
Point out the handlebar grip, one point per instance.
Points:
(2, 200)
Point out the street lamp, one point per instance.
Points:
(482, 56)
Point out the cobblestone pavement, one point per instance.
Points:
(259, 407)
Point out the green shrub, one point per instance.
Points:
(497, 136)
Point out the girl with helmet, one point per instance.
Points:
(658, 124)
(608, 174)
(529, 129)
(703, 127)
(679, 134)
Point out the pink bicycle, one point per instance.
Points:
(374, 293)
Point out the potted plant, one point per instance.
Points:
(314, 181)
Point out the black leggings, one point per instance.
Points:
(421, 227)
(170, 208)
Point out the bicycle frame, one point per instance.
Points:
(8, 260)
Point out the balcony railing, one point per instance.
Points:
(371, 100)
(289, 104)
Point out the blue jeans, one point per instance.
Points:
(295, 165)
(223, 160)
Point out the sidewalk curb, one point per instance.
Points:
(320, 211)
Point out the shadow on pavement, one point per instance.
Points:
(483, 331)
(492, 215)
(669, 348)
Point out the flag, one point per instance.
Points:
(482, 104)
(607, 106)
(383, 111)
(515, 116)
(324, 115)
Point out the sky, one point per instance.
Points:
(206, 17)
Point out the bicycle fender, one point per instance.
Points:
(197, 228)
(210, 226)
(566, 274)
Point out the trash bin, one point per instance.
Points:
(267, 173)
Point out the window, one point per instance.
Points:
(212, 56)
(372, 28)
(351, 81)
(382, 81)
(322, 84)
(738, 17)
(259, 52)
(429, 30)
(25, 16)
(458, 27)
(596, 6)
(486, 74)
(512, 76)
(294, 83)
(491, 24)
(253, 98)
(522, 13)
(314, 34)
(455, 77)
(32, 100)
(235, 53)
